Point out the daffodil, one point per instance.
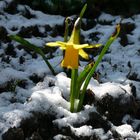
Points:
(73, 48)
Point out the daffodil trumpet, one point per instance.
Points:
(73, 49)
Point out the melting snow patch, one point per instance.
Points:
(126, 131)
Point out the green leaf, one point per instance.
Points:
(84, 73)
(77, 23)
(81, 78)
(26, 44)
(89, 76)
(34, 48)
(83, 11)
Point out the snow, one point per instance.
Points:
(40, 20)
(64, 83)
(126, 131)
(59, 137)
(41, 97)
(107, 17)
(84, 130)
(47, 100)
(9, 74)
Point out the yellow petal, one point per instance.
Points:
(71, 58)
(83, 54)
(78, 46)
(62, 45)
(81, 46)
(94, 46)
(52, 44)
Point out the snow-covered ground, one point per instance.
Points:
(36, 90)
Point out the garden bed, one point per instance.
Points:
(34, 104)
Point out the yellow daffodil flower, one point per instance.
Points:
(73, 48)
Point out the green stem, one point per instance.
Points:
(74, 74)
